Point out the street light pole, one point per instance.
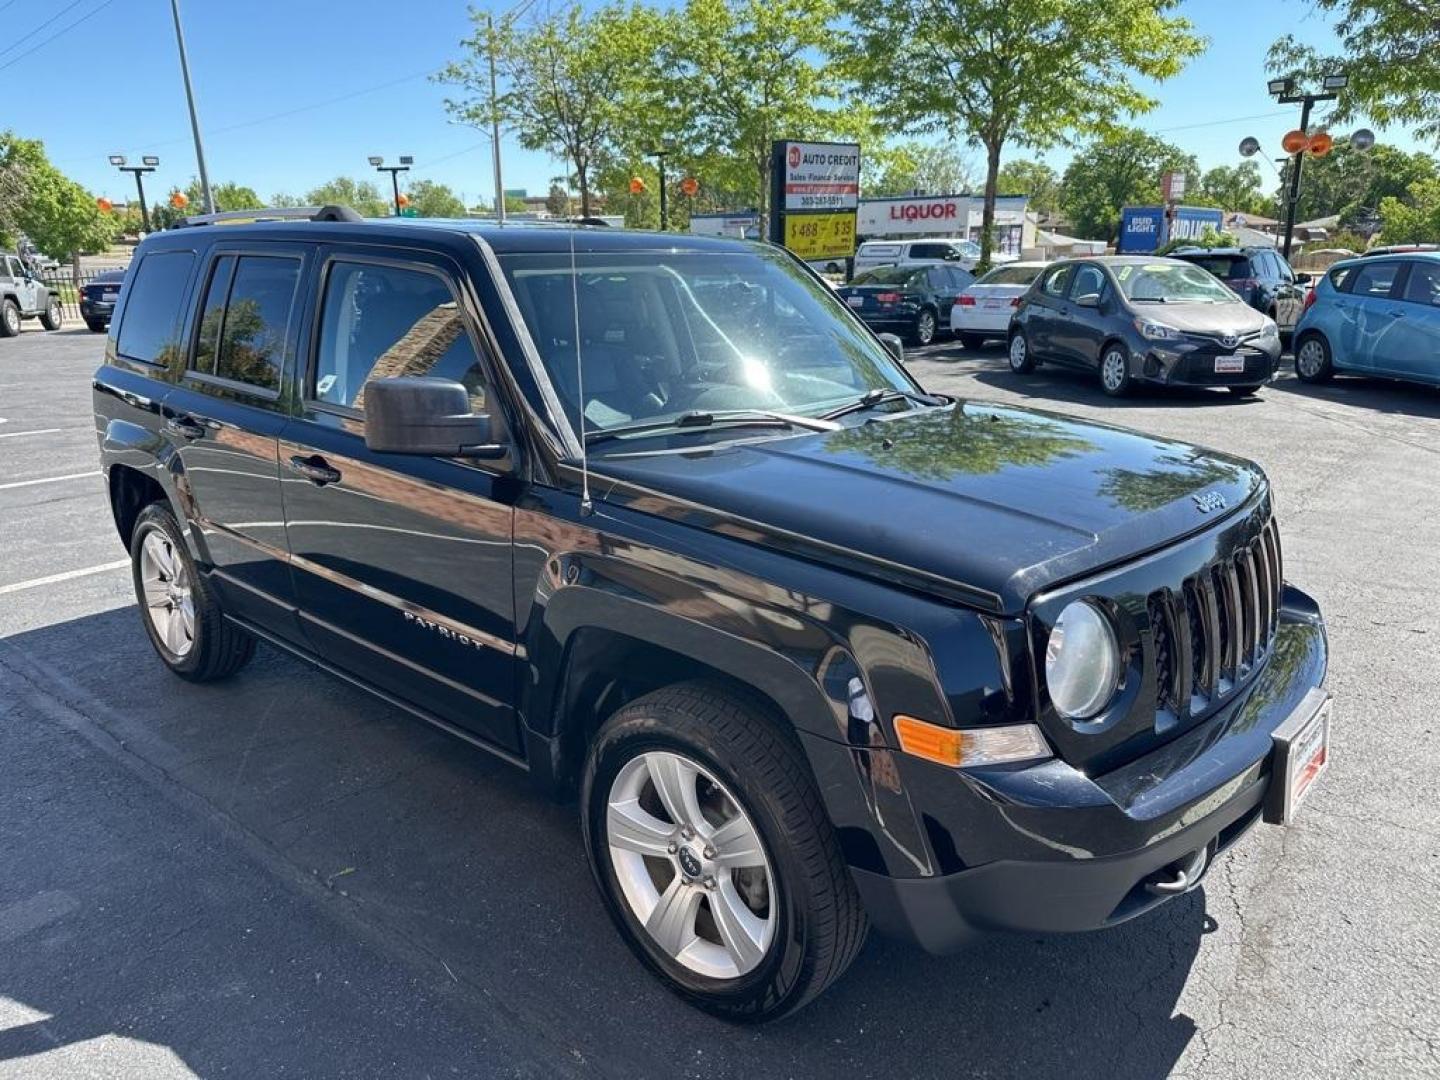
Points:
(659, 155)
(394, 170)
(147, 165)
(194, 119)
(1284, 91)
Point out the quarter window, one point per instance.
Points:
(150, 325)
(384, 321)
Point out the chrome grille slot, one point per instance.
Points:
(1213, 631)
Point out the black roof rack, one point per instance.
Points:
(287, 213)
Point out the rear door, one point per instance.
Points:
(402, 563)
(225, 415)
(1046, 312)
(1080, 335)
(1416, 334)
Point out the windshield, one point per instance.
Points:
(663, 334)
(1170, 282)
(1011, 275)
(891, 275)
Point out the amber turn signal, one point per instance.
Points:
(970, 746)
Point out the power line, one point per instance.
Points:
(63, 30)
(1218, 123)
(26, 37)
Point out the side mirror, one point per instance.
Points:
(1089, 299)
(895, 345)
(1304, 279)
(410, 415)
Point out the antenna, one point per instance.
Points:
(586, 506)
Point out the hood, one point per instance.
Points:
(999, 502)
(1236, 317)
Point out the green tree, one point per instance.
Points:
(1346, 181)
(1119, 169)
(362, 196)
(1033, 178)
(739, 74)
(431, 199)
(1414, 219)
(557, 201)
(1029, 72)
(228, 196)
(1237, 188)
(37, 199)
(568, 76)
(1389, 49)
(933, 168)
(285, 199)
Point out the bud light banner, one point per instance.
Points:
(1144, 228)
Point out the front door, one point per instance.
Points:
(26, 289)
(402, 563)
(225, 415)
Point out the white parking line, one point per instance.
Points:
(51, 579)
(37, 431)
(48, 479)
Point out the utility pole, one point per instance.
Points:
(495, 123)
(147, 165)
(194, 119)
(1284, 92)
(394, 170)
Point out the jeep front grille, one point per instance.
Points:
(1217, 628)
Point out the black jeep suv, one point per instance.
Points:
(657, 519)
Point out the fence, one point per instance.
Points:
(61, 281)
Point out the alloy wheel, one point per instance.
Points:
(1310, 359)
(691, 865)
(1112, 373)
(925, 328)
(169, 601)
(1018, 351)
(12, 319)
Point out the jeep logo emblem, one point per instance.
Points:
(689, 863)
(1209, 501)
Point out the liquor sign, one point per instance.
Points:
(815, 189)
(921, 215)
(821, 236)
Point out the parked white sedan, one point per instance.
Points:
(984, 308)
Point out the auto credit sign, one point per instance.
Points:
(820, 176)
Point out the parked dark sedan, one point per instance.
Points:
(1141, 318)
(912, 301)
(97, 299)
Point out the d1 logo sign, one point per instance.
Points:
(794, 157)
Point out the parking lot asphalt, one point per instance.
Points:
(280, 876)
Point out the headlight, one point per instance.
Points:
(1082, 661)
(1154, 331)
(1272, 329)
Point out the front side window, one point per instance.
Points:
(1375, 279)
(1089, 280)
(384, 321)
(1170, 282)
(256, 326)
(662, 334)
(150, 324)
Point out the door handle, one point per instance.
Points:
(315, 469)
(184, 426)
(1396, 314)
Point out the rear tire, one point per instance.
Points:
(51, 317)
(96, 326)
(1243, 391)
(727, 756)
(1313, 362)
(1022, 359)
(924, 330)
(180, 610)
(972, 342)
(9, 319)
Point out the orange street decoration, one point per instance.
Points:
(1295, 141)
(403, 200)
(1321, 144)
(104, 204)
(637, 186)
(690, 187)
(179, 200)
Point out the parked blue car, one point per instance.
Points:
(1373, 316)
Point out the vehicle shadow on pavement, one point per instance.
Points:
(1076, 387)
(396, 864)
(1376, 395)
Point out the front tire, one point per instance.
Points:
(51, 318)
(96, 326)
(9, 319)
(181, 613)
(1313, 362)
(1115, 370)
(714, 855)
(923, 333)
(1243, 391)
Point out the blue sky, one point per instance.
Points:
(291, 94)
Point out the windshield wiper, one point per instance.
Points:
(1148, 300)
(878, 396)
(697, 420)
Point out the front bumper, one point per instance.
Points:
(1186, 366)
(1077, 853)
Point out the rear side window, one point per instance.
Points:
(150, 326)
(384, 321)
(245, 319)
(1057, 280)
(879, 251)
(931, 251)
(1375, 279)
(1423, 284)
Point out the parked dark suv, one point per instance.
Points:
(1260, 276)
(658, 520)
